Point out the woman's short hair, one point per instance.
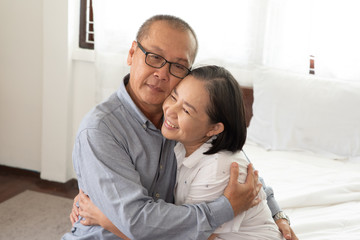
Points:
(226, 106)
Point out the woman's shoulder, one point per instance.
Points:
(228, 157)
(220, 162)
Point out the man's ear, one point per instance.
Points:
(131, 53)
(216, 129)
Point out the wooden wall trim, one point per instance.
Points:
(248, 97)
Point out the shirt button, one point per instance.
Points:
(160, 166)
(157, 195)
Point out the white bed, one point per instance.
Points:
(304, 138)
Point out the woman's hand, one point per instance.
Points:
(88, 211)
(286, 230)
(74, 215)
(212, 237)
(93, 216)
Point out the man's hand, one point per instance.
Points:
(242, 196)
(286, 230)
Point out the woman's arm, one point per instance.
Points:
(93, 216)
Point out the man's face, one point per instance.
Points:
(150, 86)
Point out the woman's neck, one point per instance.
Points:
(191, 148)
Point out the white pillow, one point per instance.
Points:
(305, 112)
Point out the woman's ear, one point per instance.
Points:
(131, 53)
(216, 129)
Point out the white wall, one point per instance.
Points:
(44, 91)
(20, 83)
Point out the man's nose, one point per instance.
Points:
(163, 73)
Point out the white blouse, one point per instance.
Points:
(203, 178)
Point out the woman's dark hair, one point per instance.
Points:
(226, 106)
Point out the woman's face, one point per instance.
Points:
(185, 117)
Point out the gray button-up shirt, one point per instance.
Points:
(128, 169)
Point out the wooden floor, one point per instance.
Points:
(14, 181)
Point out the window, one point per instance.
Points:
(325, 30)
(312, 65)
(86, 33)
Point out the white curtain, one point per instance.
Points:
(225, 30)
(239, 35)
(326, 29)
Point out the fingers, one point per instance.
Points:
(242, 196)
(80, 207)
(287, 233)
(74, 215)
(81, 193)
(252, 176)
(285, 229)
(255, 202)
(293, 236)
(234, 173)
(76, 199)
(75, 209)
(252, 180)
(72, 220)
(82, 198)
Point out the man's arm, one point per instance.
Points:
(271, 201)
(117, 191)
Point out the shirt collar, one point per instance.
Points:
(194, 158)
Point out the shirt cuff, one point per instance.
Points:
(272, 203)
(221, 211)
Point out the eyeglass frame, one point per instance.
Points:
(164, 63)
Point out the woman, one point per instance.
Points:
(205, 114)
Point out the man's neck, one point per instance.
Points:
(153, 112)
(155, 118)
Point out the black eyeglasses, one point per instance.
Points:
(157, 61)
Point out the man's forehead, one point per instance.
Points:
(178, 49)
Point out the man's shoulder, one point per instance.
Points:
(105, 114)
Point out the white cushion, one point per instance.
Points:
(305, 112)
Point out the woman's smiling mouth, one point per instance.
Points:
(169, 124)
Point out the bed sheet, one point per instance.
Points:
(320, 195)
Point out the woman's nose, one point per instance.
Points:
(172, 110)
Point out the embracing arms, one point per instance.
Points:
(114, 182)
(93, 216)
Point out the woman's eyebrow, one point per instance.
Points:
(185, 102)
(175, 91)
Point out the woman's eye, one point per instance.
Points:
(173, 97)
(186, 111)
